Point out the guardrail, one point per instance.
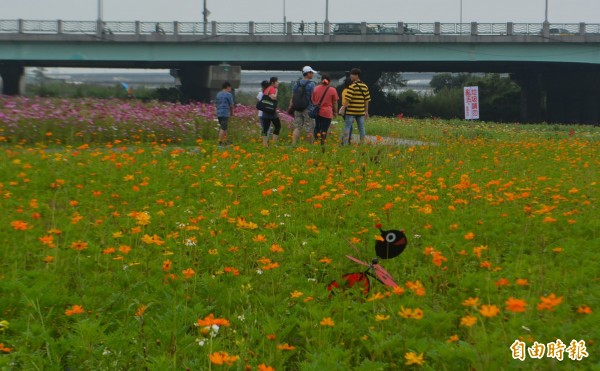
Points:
(22, 26)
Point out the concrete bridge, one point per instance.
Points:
(557, 65)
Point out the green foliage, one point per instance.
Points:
(391, 80)
(441, 81)
(208, 205)
(500, 98)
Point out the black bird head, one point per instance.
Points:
(393, 244)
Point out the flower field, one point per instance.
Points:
(130, 240)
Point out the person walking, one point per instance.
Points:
(263, 85)
(357, 107)
(344, 98)
(224, 105)
(301, 95)
(271, 118)
(326, 97)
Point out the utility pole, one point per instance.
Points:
(205, 16)
(546, 13)
(326, 11)
(100, 10)
(99, 22)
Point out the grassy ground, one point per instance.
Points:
(150, 247)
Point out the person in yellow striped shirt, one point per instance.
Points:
(355, 106)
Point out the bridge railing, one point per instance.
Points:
(292, 28)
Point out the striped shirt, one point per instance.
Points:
(358, 96)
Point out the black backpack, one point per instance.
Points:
(300, 100)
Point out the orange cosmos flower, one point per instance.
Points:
(75, 309)
(286, 346)
(188, 273)
(259, 238)
(477, 251)
(438, 259)
(263, 367)
(140, 311)
(452, 339)
(270, 266)
(416, 287)
(413, 358)
(48, 259)
(108, 251)
(471, 302)
(502, 282)
(376, 296)
(485, 264)
(515, 305)
(124, 249)
(232, 270)
(522, 282)
(381, 317)
(325, 260)
(416, 313)
(271, 337)
(19, 225)
(167, 265)
(4, 349)
(276, 248)
(469, 236)
(398, 290)
(549, 302)
(489, 310)
(584, 309)
(327, 321)
(79, 245)
(211, 320)
(47, 240)
(296, 294)
(221, 358)
(468, 320)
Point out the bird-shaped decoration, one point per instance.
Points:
(391, 244)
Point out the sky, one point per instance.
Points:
(414, 11)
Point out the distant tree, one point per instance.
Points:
(39, 75)
(448, 80)
(391, 81)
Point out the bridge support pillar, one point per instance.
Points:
(531, 96)
(12, 79)
(194, 81)
(202, 82)
(573, 98)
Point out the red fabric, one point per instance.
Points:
(327, 105)
(270, 91)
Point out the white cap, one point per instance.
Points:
(308, 69)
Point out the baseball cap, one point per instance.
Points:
(308, 69)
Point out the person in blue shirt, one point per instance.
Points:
(224, 103)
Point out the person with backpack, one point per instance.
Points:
(356, 107)
(300, 102)
(326, 98)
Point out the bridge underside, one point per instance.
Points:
(560, 83)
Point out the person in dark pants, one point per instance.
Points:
(271, 118)
(327, 97)
(224, 109)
